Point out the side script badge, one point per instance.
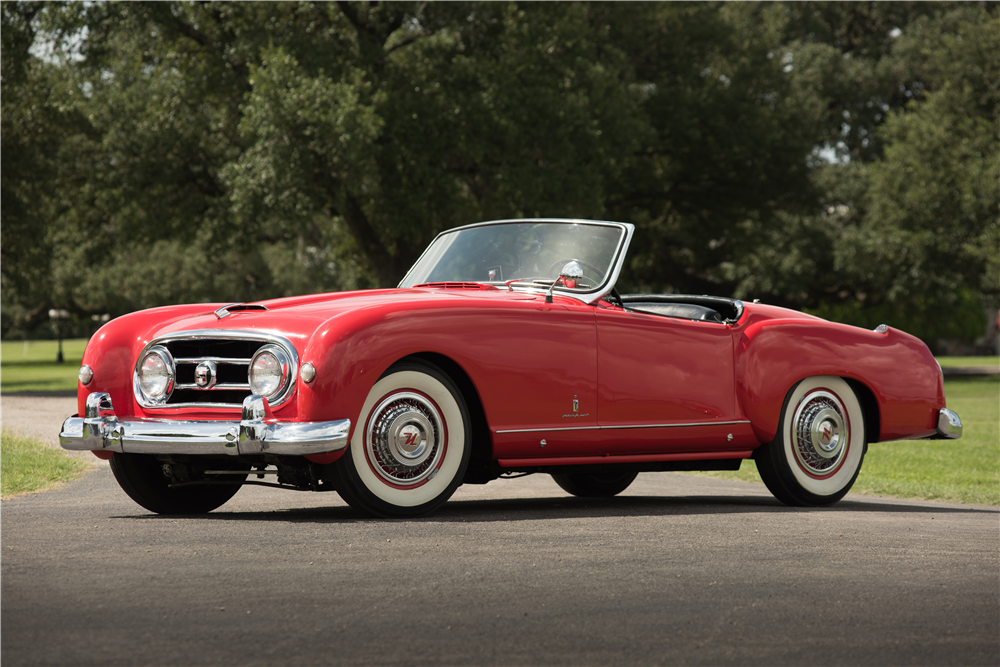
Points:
(576, 410)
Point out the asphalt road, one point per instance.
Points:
(678, 570)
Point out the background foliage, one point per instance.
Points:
(838, 157)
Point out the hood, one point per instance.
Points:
(298, 316)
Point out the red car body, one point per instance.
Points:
(574, 387)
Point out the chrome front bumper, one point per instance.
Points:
(255, 433)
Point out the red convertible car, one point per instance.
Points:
(506, 349)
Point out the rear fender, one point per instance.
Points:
(897, 369)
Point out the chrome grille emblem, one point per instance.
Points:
(206, 374)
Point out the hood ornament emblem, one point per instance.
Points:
(225, 311)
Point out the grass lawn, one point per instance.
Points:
(31, 365)
(959, 471)
(28, 466)
(955, 362)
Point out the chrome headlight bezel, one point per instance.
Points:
(162, 354)
(284, 364)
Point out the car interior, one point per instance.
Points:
(685, 306)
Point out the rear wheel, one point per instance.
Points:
(601, 485)
(142, 477)
(411, 445)
(817, 453)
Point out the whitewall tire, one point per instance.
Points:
(817, 453)
(411, 444)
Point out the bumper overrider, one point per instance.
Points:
(949, 426)
(254, 433)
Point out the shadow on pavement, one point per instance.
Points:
(536, 509)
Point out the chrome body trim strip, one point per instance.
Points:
(540, 430)
(218, 360)
(623, 426)
(231, 386)
(100, 429)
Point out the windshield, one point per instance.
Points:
(525, 251)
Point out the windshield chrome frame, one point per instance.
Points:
(585, 297)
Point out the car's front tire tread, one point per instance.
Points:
(141, 477)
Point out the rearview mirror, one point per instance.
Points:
(572, 271)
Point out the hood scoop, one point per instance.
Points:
(225, 311)
(479, 286)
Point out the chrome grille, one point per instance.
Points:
(230, 351)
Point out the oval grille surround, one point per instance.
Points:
(231, 351)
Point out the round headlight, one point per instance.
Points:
(156, 374)
(85, 374)
(269, 371)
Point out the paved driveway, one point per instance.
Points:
(680, 570)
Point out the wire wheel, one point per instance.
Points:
(405, 440)
(820, 434)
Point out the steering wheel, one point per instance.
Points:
(559, 263)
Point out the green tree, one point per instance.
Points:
(905, 231)
(733, 131)
(929, 244)
(427, 120)
(164, 152)
(32, 123)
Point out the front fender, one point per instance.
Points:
(111, 352)
(527, 360)
(898, 368)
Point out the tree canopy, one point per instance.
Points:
(837, 157)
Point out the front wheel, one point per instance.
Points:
(411, 445)
(142, 477)
(603, 485)
(816, 454)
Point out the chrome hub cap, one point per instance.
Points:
(405, 439)
(820, 433)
